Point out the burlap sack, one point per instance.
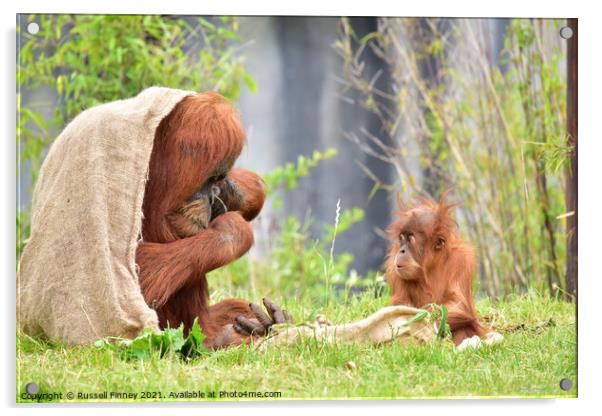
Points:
(77, 279)
(387, 324)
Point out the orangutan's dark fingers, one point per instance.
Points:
(274, 311)
(268, 306)
(241, 330)
(262, 317)
(253, 327)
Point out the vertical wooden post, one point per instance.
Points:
(571, 178)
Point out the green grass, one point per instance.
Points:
(539, 350)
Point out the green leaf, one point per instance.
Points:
(194, 342)
(250, 82)
(420, 316)
(173, 338)
(162, 342)
(444, 330)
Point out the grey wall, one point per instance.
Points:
(297, 110)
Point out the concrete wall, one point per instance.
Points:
(297, 110)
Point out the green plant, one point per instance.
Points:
(439, 313)
(162, 342)
(287, 177)
(306, 264)
(86, 60)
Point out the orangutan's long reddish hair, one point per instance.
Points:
(194, 149)
(200, 134)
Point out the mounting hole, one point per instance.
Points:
(566, 33)
(32, 389)
(566, 384)
(33, 28)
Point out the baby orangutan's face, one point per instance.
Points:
(419, 237)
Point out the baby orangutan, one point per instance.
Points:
(428, 263)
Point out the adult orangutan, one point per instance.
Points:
(429, 263)
(196, 219)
